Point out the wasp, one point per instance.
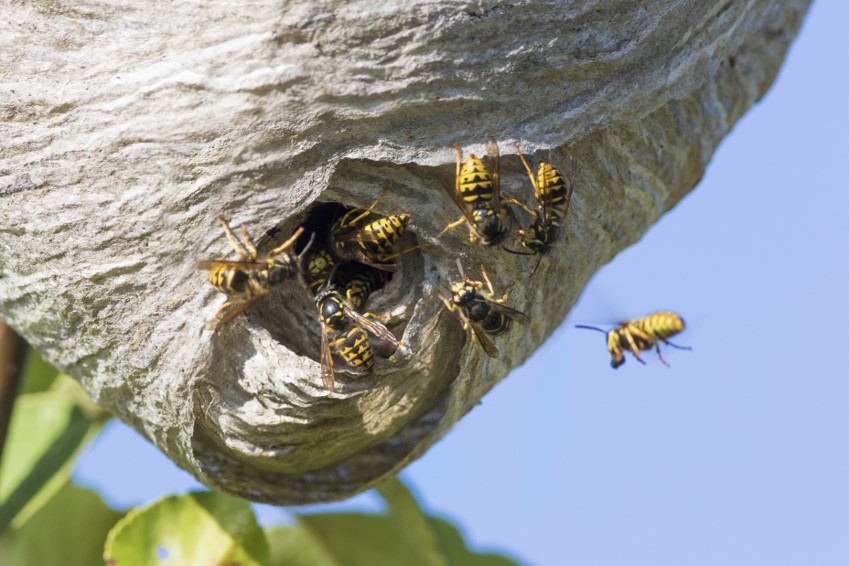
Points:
(477, 192)
(248, 279)
(553, 195)
(361, 235)
(360, 281)
(343, 331)
(480, 312)
(319, 262)
(642, 334)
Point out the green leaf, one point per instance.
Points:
(296, 547)
(403, 509)
(38, 374)
(404, 535)
(69, 529)
(451, 542)
(354, 539)
(46, 432)
(195, 528)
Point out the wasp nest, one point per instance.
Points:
(128, 129)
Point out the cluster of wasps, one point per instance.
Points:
(489, 218)
(341, 273)
(356, 258)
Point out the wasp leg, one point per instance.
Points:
(459, 153)
(528, 169)
(288, 243)
(344, 222)
(633, 346)
(232, 239)
(452, 225)
(512, 200)
(659, 355)
(249, 245)
(488, 282)
(676, 346)
(381, 317)
(491, 290)
(448, 304)
(384, 258)
(230, 310)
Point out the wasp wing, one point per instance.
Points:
(513, 314)
(568, 190)
(485, 342)
(230, 310)
(245, 265)
(326, 361)
(454, 191)
(369, 324)
(362, 258)
(355, 234)
(494, 172)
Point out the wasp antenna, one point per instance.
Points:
(328, 283)
(515, 252)
(460, 269)
(307, 247)
(534, 270)
(332, 273)
(591, 328)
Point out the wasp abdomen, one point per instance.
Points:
(475, 182)
(383, 233)
(229, 280)
(496, 323)
(662, 324)
(355, 349)
(551, 184)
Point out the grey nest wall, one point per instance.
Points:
(127, 127)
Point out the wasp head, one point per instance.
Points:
(330, 308)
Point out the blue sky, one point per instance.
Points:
(738, 453)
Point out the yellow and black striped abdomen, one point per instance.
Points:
(661, 325)
(231, 281)
(475, 182)
(354, 347)
(496, 323)
(550, 184)
(380, 235)
(361, 285)
(481, 313)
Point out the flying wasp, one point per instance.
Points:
(553, 196)
(248, 279)
(343, 331)
(477, 192)
(641, 334)
(363, 236)
(480, 312)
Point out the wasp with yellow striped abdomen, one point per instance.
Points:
(247, 280)
(477, 192)
(364, 236)
(343, 331)
(641, 334)
(552, 195)
(480, 312)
